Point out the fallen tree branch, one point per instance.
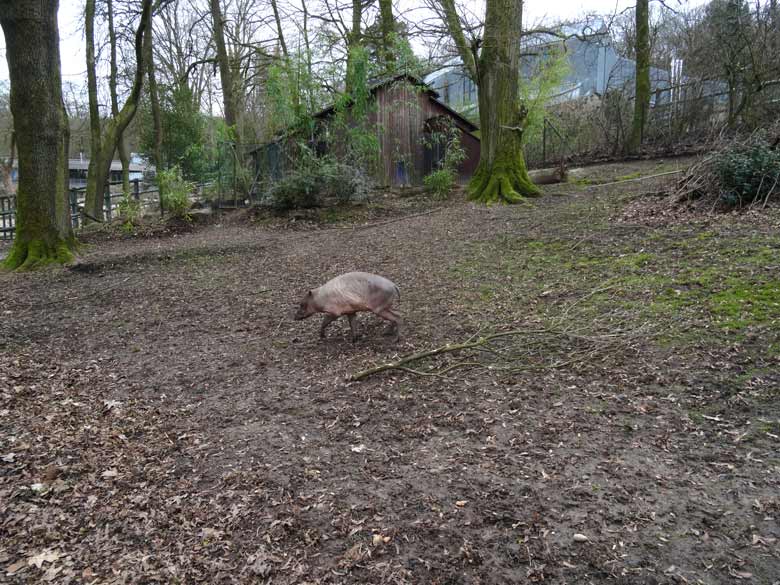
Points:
(401, 363)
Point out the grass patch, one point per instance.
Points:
(694, 289)
(629, 177)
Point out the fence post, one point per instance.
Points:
(136, 190)
(107, 201)
(73, 197)
(544, 142)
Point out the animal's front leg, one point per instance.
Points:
(353, 326)
(325, 322)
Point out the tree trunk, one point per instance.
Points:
(154, 97)
(642, 82)
(279, 30)
(43, 229)
(225, 71)
(501, 175)
(93, 206)
(105, 140)
(124, 156)
(8, 167)
(354, 41)
(388, 33)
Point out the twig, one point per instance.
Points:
(635, 179)
(398, 364)
(381, 223)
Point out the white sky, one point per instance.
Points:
(72, 36)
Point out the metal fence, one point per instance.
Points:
(7, 217)
(76, 200)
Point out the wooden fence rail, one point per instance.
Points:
(76, 197)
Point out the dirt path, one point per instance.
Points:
(164, 420)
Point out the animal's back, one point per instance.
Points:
(357, 291)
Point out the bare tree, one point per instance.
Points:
(105, 137)
(124, 155)
(230, 106)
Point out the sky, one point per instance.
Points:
(72, 35)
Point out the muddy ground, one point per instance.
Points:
(162, 419)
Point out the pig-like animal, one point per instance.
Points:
(349, 294)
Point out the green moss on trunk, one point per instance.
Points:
(642, 83)
(501, 176)
(43, 232)
(506, 181)
(37, 253)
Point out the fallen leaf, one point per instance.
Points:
(461, 503)
(210, 533)
(358, 448)
(11, 569)
(110, 473)
(47, 556)
(52, 573)
(580, 538)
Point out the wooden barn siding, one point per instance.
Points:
(468, 141)
(400, 115)
(397, 117)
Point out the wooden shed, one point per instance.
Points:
(405, 113)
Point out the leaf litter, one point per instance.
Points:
(179, 428)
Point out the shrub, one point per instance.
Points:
(130, 210)
(174, 192)
(296, 190)
(316, 180)
(747, 172)
(440, 183)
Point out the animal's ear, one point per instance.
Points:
(310, 293)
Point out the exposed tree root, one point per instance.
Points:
(37, 253)
(506, 182)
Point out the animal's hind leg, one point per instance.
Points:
(327, 320)
(352, 326)
(395, 320)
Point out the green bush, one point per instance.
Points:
(130, 211)
(175, 192)
(440, 183)
(748, 172)
(316, 180)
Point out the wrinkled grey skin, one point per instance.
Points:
(349, 294)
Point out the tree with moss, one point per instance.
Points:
(642, 79)
(43, 231)
(501, 175)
